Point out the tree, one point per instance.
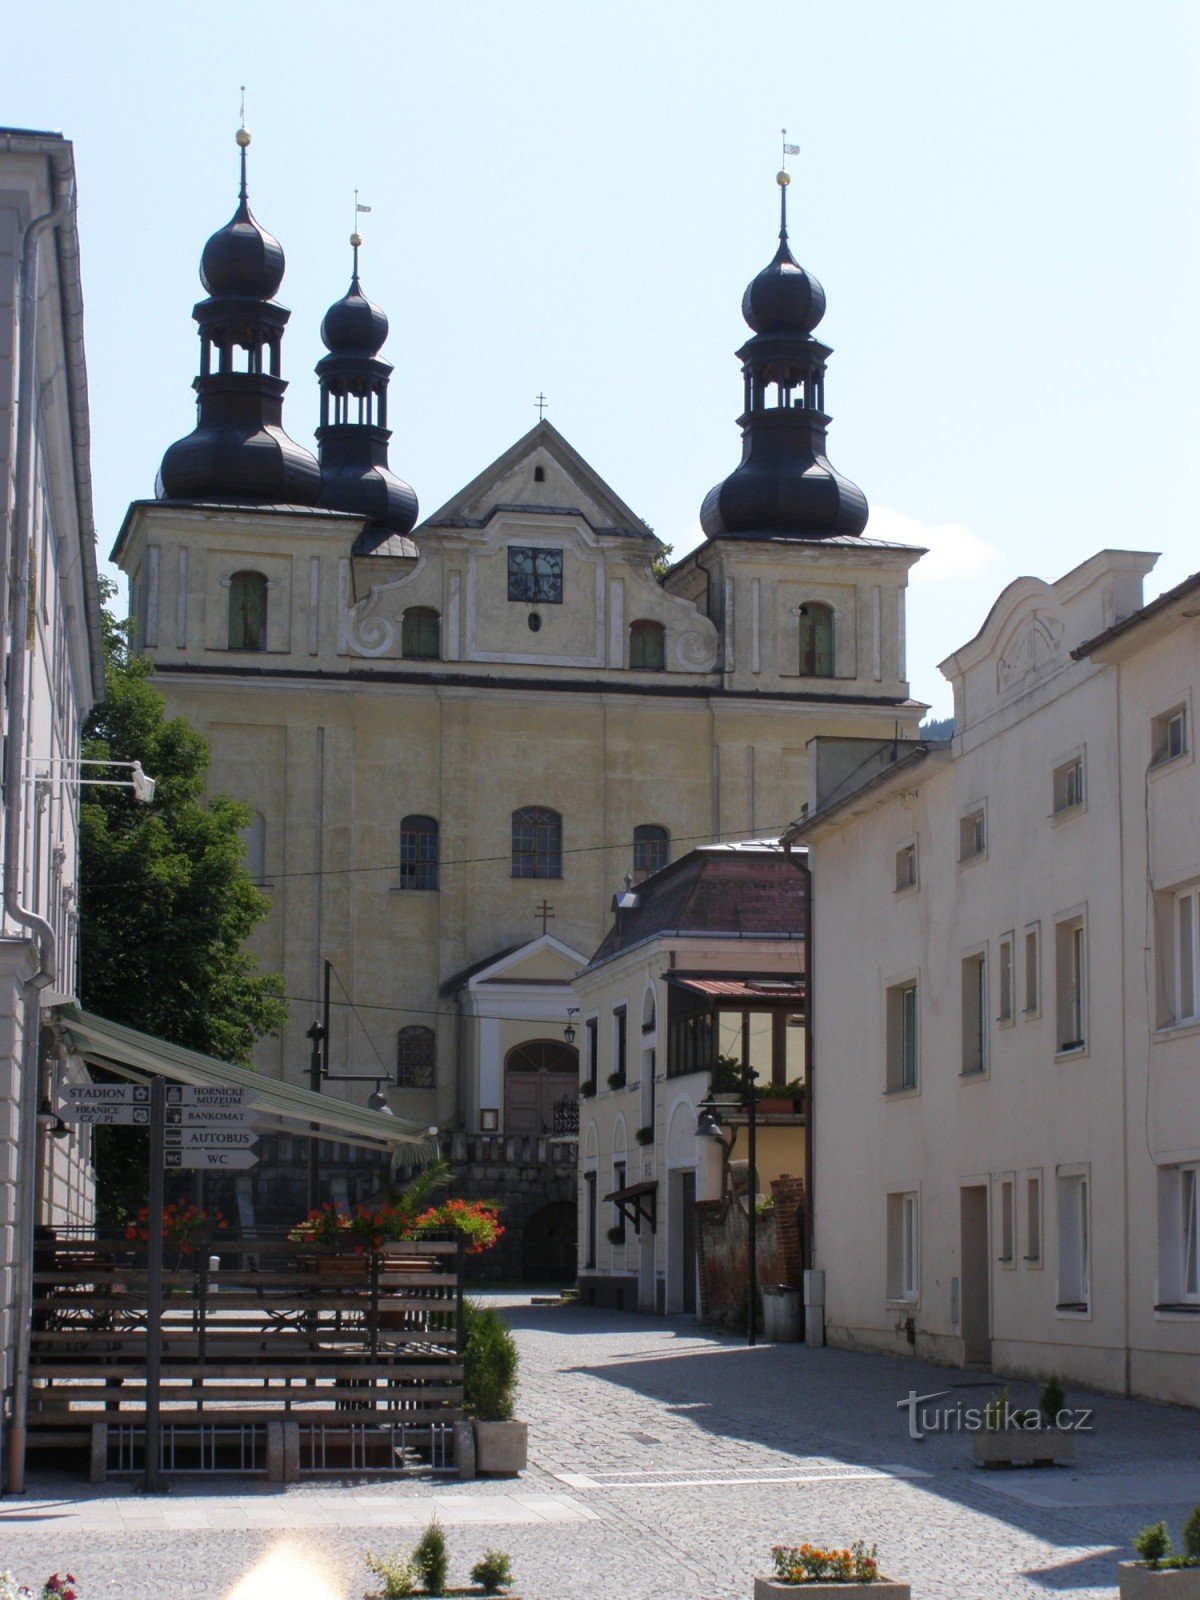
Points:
(166, 903)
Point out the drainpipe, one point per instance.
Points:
(14, 811)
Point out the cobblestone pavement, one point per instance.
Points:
(665, 1462)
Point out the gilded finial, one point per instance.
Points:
(783, 177)
(243, 134)
(356, 237)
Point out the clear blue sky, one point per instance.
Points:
(999, 200)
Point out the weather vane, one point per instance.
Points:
(359, 210)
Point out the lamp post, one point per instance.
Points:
(319, 1074)
(748, 1077)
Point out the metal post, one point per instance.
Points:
(748, 1077)
(314, 1150)
(154, 1285)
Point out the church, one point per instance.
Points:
(461, 735)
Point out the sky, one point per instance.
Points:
(999, 201)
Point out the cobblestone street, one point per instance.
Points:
(665, 1461)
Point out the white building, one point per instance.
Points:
(1007, 1001)
(50, 628)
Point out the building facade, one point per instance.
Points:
(1004, 1003)
(458, 735)
(702, 968)
(50, 628)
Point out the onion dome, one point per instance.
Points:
(352, 441)
(354, 325)
(238, 449)
(785, 486)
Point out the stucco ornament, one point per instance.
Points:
(370, 632)
(696, 649)
(1036, 646)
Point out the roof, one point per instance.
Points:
(139, 1056)
(748, 892)
(1147, 613)
(749, 991)
(242, 507)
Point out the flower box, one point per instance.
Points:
(1022, 1447)
(1136, 1581)
(876, 1589)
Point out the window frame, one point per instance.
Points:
(903, 1247)
(646, 834)
(972, 834)
(1068, 795)
(422, 866)
(641, 631)
(409, 1072)
(903, 1037)
(816, 639)
(1006, 980)
(1032, 940)
(1073, 1189)
(1178, 1282)
(1162, 726)
(544, 860)
(262, 595)
(421, 617)
(973, 1062)
(1035, 1249)
(1006, 1195)
(906, 868)
(1071, 985)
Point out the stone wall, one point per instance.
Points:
(723, 1249)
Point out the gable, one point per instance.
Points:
(543, 960)
(567, 486)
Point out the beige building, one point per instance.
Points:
(702, 970)
(459, 736)
(50, 627)
(1005, 995)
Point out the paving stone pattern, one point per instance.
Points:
(665, 1462)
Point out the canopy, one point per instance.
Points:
(139, 1056)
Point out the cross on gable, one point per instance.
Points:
(546, 912)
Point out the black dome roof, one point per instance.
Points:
(354, 325)
(242, 259)
(784, 297)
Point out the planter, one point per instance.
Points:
(1022, 1447)
(450, 1594)
(880, 1589)
(774, 1105)
(501, 1447)
(1138, 1582)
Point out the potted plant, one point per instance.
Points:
(616, 1080)
(54, 1588)
(489, 1391)
(1163, 1573)
(423, 1572)
(780, 1099)
(1016, 1436)
(831, 1574)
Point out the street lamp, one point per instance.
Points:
(569, 1030)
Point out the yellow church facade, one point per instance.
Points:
(458, 737)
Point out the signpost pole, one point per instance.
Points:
(154, 1286)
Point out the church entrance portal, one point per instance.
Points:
(537, 1076)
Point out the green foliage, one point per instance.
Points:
(1153, 1543)
(397, 1574)
(489, 1364)
(430, 1558)
(166, 903)
(1191, 1536)
(417, 1192)
(645, 1135)
(660, 564)
(1051, 1400)
(493, 1571)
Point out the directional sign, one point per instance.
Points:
(210, 1138)
(205, 1117)
(216, 1160)
(205, 1095)
(107, 1104)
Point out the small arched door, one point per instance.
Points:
(537, 1075)
(548, 1245)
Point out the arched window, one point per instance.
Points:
(248, 611)
(421, 634)
(416, 1058)
(254, 847)
(651, 848)
(816, 640)
(647, 646)
(419, 853)
(536, 843)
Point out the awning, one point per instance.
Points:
(748, 992)
(637, 1203)
(139, 1056)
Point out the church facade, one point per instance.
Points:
(459, 735)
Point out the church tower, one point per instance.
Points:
(238, 450)
(353, 436)
(806, 602)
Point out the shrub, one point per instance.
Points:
(995, 1410)
(645, 1135)
(489, 1364)
(616, 1080)
(397, 1574)
(493, 1571)
(1191, 1536)
(1051, 1400)
(1153, 1543)
(430, 1558)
